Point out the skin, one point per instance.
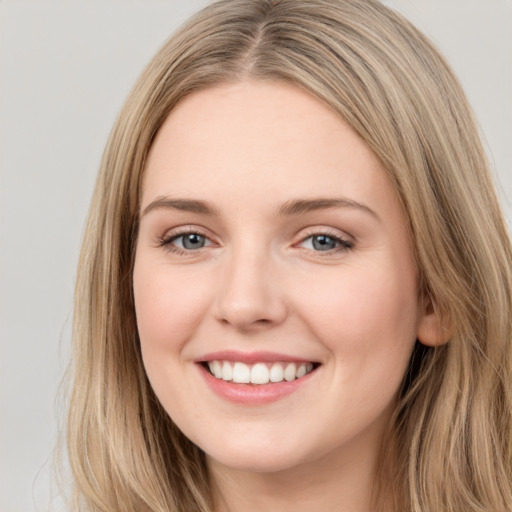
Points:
(259, 284)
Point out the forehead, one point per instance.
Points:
(263, 140)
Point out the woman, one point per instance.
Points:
(295, 284)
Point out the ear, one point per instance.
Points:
(433, 327)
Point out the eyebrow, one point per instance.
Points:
(292, 207)
(299, 206)
(184, 205)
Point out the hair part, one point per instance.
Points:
(449, 446)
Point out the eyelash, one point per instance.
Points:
(343, 244)
(166, 242)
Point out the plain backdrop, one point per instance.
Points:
(65, 69)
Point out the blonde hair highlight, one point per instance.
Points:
(450, 444)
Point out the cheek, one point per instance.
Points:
(169, 306)
(366, 316)
(367, 321)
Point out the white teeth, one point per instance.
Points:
(290, 371)
(258, 373)
(301, 371)
(227, 371)
(241, 373)
(216, 369)
(276, 372)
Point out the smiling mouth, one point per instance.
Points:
(259, 373)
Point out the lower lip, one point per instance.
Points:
(251, 394)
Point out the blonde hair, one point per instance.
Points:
(451, 436)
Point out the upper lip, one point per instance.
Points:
(251, 357)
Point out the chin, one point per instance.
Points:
(263, 457)
(255, 463)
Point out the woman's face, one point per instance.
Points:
(272, 248)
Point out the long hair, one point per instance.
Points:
(451, 435)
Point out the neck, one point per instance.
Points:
(342, 480)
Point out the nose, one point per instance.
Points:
(249, 294)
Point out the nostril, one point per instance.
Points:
(247, 323)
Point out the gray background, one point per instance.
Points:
(65, 69)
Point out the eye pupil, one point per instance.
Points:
(323, 243)
(193, 241)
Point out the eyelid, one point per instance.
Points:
(165, 241)
(346, 242)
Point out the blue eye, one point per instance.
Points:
(189, 241)
(323, 243)
(192, 241)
